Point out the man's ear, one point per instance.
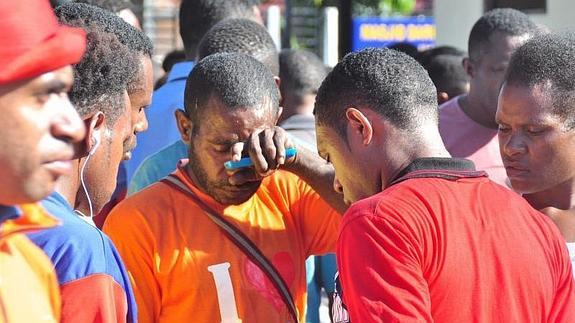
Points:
(468, 67)
(279, 114)
(442, 97)
(359, 125)
(95, 125)
(278, 84)
(185, 126)
(257, 15)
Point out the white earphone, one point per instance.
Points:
(96, 139)
(96, 142)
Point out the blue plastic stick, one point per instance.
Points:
(247, 161)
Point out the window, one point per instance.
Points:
(523, 5)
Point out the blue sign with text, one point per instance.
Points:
(386, 31)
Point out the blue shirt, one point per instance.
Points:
(162, 129)
(158, 166)
(80, 252)
(8, 212)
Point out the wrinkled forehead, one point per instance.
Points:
(217, 119)
(531, 104)
(143, 79)
(56, 80)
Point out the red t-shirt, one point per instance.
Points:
(453, 250)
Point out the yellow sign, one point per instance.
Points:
(397, 32)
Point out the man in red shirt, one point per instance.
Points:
(427, 238)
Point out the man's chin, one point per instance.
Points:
(127, 155)
(236, 195)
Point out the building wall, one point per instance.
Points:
(454, 18)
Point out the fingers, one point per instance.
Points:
(237, 149)
(267, 149)
(256, 153)
(279, 142)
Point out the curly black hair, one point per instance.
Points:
(506, 20)
(447, 73)
(101, 77)
(110, 5)
(389, 82)
(136, 41)
(301, 72)
(241, 36)
(198, 16)
(550, 59)
(236, 79)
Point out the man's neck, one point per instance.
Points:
(560, 197)
(68, 185)
(429, 146)
(476, 112)
(302, 106)
(558, 203)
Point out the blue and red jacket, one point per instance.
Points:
(93, 281)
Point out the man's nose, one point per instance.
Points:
(66, 124)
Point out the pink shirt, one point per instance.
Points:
(465, 138)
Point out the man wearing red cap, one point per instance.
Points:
(37, 130)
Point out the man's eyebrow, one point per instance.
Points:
(223, 141)
(55, 85)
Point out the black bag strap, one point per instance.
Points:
(241, 241)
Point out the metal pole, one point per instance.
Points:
(274, 24)
(330, 36)
(345, 26)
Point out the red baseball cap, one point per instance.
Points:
(33, 43)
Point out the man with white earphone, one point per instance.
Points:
(94, 284)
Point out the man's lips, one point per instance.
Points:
(515, 170)
(127, 155)
(243, 187)
(59, 167)
(130, 147)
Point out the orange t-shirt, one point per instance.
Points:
(28, 285)
(184, 269)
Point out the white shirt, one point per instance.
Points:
(571, 248)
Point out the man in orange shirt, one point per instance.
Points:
(37, 130)
(184, 268)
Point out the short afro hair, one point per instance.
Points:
(389, 82)
(101, 77)
(114, 6)
(301, 72)
(405, 48)
(241, 36)
(448, 74)
(236, 80)
(198, 16)
(505, 20)
(426, 56)
(550, 60)
(136, 41)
